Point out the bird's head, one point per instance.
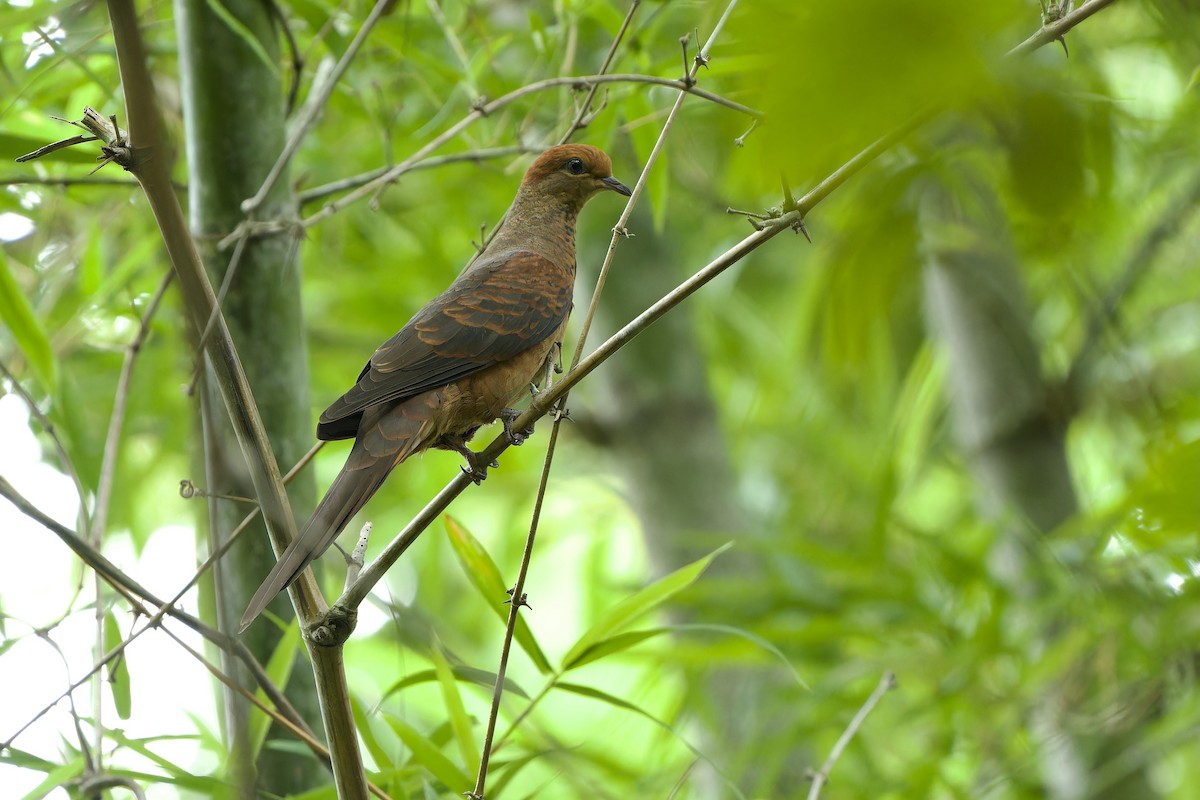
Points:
(575, 172)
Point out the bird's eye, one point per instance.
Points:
(575, 166)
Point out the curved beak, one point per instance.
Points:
(612, 183)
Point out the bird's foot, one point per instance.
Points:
(515, 437)
(477, 467)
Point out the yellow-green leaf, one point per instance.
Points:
(637, 605)
(17, 314)
(427, 754)
(456, 712)
(118, 668)
(484, 575)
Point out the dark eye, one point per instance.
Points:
(575, 166)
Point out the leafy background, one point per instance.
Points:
(800, 408)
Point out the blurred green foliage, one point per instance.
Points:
(861, 549)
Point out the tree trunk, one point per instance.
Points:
(1009, 428)
(234, 118)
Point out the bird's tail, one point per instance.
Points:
(365, 470)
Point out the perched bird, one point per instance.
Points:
(459, 362)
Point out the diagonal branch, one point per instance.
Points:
(338, 623)
(150, 169)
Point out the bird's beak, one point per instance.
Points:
(612, 183)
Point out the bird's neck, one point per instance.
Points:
(545, 225)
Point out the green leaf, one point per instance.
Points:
(118, 669)
(363, 725)
(613, 644)
(57, 777)
(750, 637)
(479, 677)
(459, 720)
(617, 702)
(427, 754)
(483, 573)
(279, 669)
(639, 604)
(18, 315)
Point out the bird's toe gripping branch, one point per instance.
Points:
(476, 467)
(515, 437)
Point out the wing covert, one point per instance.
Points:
(494, 311)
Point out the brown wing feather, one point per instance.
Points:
(496, 310)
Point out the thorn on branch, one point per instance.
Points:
(790, 205)
(1054, 11)
(482, 243)
(700, 59)
(522, 603)
(624, 233)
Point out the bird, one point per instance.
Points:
(459, 362)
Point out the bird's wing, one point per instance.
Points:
(494, 311)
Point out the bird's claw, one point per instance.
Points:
(515, 437)
(476, 467)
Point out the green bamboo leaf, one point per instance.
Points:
(118, 668)
(18, 315)
(639, 604)
(483, 573)
(479, 677)
(613, 644)
(362, 724)
(427, 754)
(750, 637)
(617, 702)
(456, 712)
(279, 669)
(56, 778)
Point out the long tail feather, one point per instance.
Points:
(390, 441)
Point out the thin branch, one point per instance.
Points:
(585, 106)
(482, 110)
(311, 111)
(112, 441)
(50, 430)
(821, 776)
(42, 180)
(169, 608)
(345, 184)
